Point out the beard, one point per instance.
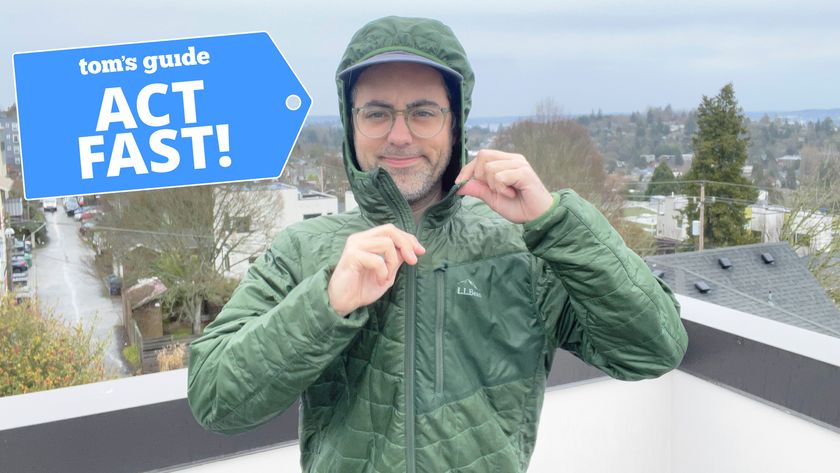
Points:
(417, 181)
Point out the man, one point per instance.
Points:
(418, 330)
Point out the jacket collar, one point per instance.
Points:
(381, 202)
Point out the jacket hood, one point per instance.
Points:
(423, 37)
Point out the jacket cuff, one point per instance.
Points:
(535, 230)
(324, 319)
(542, 219)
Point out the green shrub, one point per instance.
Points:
(39, 352)
(132, 356)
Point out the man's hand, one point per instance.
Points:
(368, 266)
(507, 183)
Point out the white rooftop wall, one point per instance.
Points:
(675, 424)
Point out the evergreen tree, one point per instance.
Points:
(720, 152)
(662, 181)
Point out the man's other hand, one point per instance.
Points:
(507, 183)
(369, 265)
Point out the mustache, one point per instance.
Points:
(400, 152)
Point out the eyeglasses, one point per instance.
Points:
(423, 121)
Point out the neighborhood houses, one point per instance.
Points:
(145, 272)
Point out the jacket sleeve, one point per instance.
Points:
(272, 340)
(598, 299)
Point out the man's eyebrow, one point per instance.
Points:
(378, 103)
(422, 102)
(416, 103)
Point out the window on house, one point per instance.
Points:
(308, 216)
(238, 224)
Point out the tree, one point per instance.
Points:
(811, 225)
(662, 174)
(720, 152)
(819, 169)
(39, 352)
(193, 234)
(560, 151)
(812, 231)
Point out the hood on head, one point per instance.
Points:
(431, 40)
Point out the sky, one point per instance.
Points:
(614, 56)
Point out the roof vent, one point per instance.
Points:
(725, 263)
(659, 273)
(768, 258)
(702, 287)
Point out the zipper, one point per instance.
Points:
(406, 219)
(440, 281)
(395, 201)
(410, 301)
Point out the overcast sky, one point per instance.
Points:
(586, 55)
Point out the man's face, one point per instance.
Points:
(415, 164)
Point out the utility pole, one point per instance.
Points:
(702, 211)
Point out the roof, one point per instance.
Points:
(784, 291)
(145, 291)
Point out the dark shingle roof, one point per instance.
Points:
(797, 298)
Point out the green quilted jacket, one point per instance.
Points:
(446, 372)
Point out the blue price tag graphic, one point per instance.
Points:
(157, 114)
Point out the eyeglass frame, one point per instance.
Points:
(402, 111)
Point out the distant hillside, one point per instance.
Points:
(473, 121)
(799, 115)
(812, 115)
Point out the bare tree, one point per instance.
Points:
(811, 225)
(188, 237)
(559, 150)
(563, 154)
(244, 221)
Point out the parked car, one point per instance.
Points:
(114, 284)
(19, 264)
(77, 215)
(20, 280)
(88, 215)
(87, 226)
(23, 296)
(70, 205)
(22, 246)
(49, 205)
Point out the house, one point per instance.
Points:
(767, 221)
(812, 230)
(660, 216)
(670, 223)
(253, 215)
(141, 304)
(789, 161)
(766, 279)
(10, 142)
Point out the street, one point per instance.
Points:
(66, 283)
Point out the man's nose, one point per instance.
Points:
(400, 135)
